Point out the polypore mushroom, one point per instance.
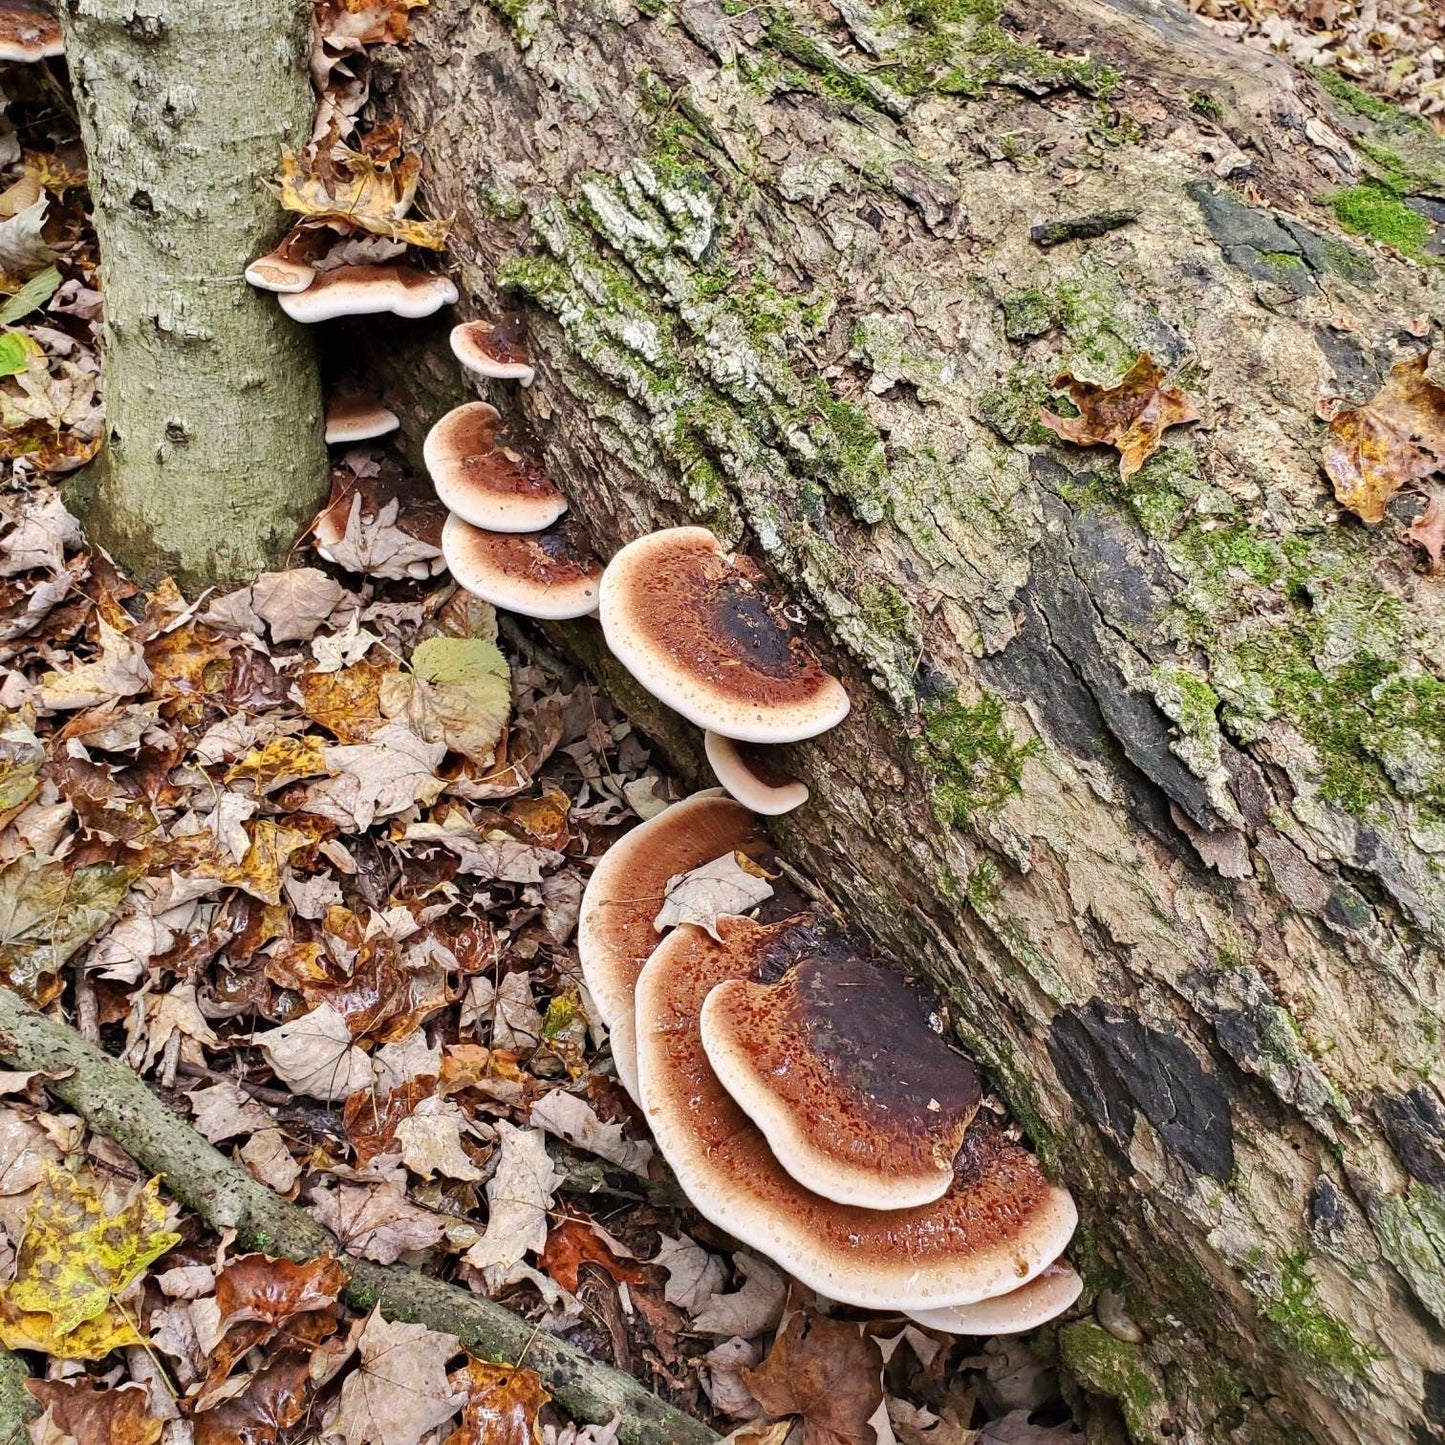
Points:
(837, 1063)
(484, 481)
(1040, 1300)
(358, 419)
(288, 268)
(691, 624)
(498, 351)
(1000, 1224)
(29, 32)
(615, 932)
(550, 574)
(366, 290)
(750, 773)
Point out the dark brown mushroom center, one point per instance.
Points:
(508, 341)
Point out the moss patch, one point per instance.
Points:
(974, 762)
(1111, 1367)
(1372, 210)
(1306, 1330)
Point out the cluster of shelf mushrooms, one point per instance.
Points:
(797, 1084)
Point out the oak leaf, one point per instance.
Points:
(731, 884)
(1396, 438)
(1130, 416)
(575, 1120)
(502, 1405)
(400, 1390)
(828, 1372)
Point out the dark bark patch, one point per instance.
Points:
(1115, 1065)
(1431, 1430)
(1414, 1123)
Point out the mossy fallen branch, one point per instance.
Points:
(17, 1405)
(116, 1103)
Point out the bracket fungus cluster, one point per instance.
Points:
(801, 1092)
(29, 31)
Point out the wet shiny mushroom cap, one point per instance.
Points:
(627, 887)
(368, 290)
(1000, 1224)
(1043, 1298)
(552, 574)
(496, 350)
(29, 32)
(859, 1097)
(695, 628)
(485, 481)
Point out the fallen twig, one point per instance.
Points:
(115, 1102)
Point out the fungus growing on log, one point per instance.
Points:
(837, 1064)
(1000, 1224)
(358, 419)
(288, 268)
(693, 626)
(1043, 1298)
(551, 574)
(748, 771)
(615, 932)
(484, 481)
(29, 32)
(498, 351)
(367, 290)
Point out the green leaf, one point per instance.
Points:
(470, 661)
(459, 692)
(31, 296)
(13, 352)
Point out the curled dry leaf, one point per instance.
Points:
(1396, 438)
(731, 884)
(756, 1307)
(519, 1195)
(119, 671)
(575, 1120)
(1131, 416)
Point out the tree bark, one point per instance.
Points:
(1147, 776)
(214, 457)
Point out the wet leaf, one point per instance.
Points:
(502, 1405)
(574, 1243)
(400, 1390)
(827, 1371)
(74, 1258)
(271, 1291)
(346, 702)
(1396, 438)
(1130, 416)
(274, 1400)
(99, 1415)
(731, 884)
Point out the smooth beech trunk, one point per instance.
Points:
(214, 457)
(1149, 776)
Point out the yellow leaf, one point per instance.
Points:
(281, 761)
(110, 1330)
(74, 1258)
(346, 702)
(459, 692)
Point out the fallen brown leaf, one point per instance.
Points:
(1396, 438)
(93, 1415)
(502, 1405)
(401, 1389)
(574, 1243)
(271, 1291)
(1427, 531)
(1131, 416)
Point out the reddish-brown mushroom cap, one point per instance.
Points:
(288, 268)
(551, 574)
(498, 350)
(358, 419)
(693, 627)
(484, 481)
(29, 32)
(750, 772)
(1043, 1298)
(367, 290)
(615, 932)
(999, 1225)
(836, 1062)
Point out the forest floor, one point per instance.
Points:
(308, 858)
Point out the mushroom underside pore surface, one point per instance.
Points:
(1000, 1224)
(615, 933)
(693, 626)
(1043, 1298)
(550, 575)
(369, 290)
(838, 1063)
(750, 772)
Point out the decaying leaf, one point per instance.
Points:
(73, 1260)
(518, 1198)
(93, 1414)
(294, 604)
(501, 1405)
(269, 1291)
(756, 1307)
(458, 692)
(1396, 438)
(575, 1242)
(576, 1121)
(119, 671)
(731, 884)
(1427, 531)
(314, 1055)
(827, 1371)
(400, 1390)
(376, 1221)
(378, 778)
(1130, 416)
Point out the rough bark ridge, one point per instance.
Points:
(1148, 776)
(214, 456)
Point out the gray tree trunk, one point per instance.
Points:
(1149, 776)
(214, 458)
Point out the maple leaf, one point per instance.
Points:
(94, 1414)
(346, 702)
(501, 1405)
(294, 604)
(827, 1371)
(757, 1306)
(74, 1259)
(120, 671)
(1131, 416)
(21, 758)
(377, 1222)
(314, 1055)
(459, 692)
(278, 764)
(375, 779)
(728, 885)
(400, 1390)
(367, 190)
(1396, 438)
(351, 23)
(574, 1243)
(519, 1195)
(575, 1120)
(274, 1399)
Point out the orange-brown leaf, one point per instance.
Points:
(1396, 438)
(574, 1243)
(275, 1399)
(502, 1405)
(827, 1371)
(1131, 416)
(257, 1287)
(94, 1415)
(370, 1122)
(1427, 531)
